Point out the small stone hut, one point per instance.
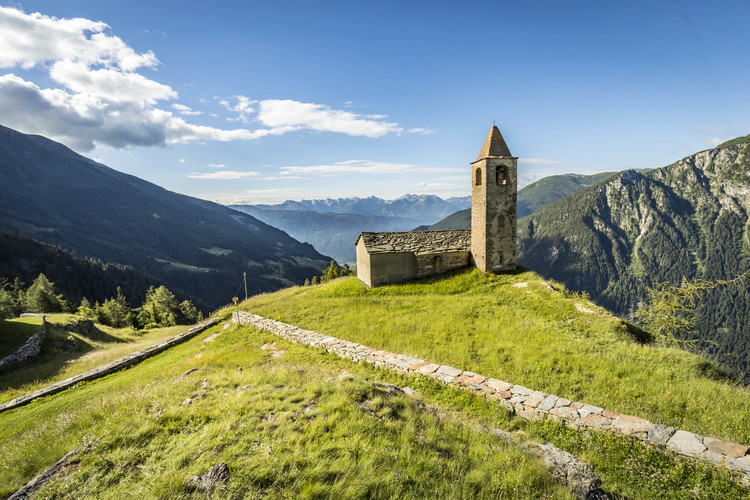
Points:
(490, 245)
(392, 257)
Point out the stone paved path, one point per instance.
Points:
(524, 402)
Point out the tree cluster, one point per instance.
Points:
(332, 272)
(160, 308)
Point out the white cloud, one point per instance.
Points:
(539, 161)
(423, 131)
(28, 40)
(243, 108)
(364, 167)
(280, 177)
(216, 165)
(185, 110)
(100, 100)
(715, 141)
(287, 113)
(110, 84)
(182, 160)
(223, 175)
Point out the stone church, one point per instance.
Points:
(490, 245)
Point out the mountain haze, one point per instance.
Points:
(332, 225)
(54, 195)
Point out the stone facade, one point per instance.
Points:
(384, 258)
(493, 206)
(395, 257)
(524, 402)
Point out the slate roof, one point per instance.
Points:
(494, 145)
(418, 242)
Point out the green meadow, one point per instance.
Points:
(65, 354)
(530, 335)
(295, 422)
(290, 422)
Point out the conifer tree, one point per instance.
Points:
(85, 309)
(41, 298)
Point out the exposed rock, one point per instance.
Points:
(409, 391)
(587, 410)
(498, 385)
(724, 447)
(448, 370)
(30, 349)
(211, 338)
(579, 476)
(428, 368)
(630, 426)
(548, 403)
(583, 309)
(215, 476)
(521, 390)
(28, 490)
(390, 389)
(85, 327)
(660, 434)
(686, 443)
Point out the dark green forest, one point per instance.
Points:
(75, 278)
(687, 220)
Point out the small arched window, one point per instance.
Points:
(500, 176)
(478, 177)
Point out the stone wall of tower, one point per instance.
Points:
(493, 213)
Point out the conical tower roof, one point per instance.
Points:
(494, 145)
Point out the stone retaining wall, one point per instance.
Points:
(112, 367)
(30, 349)
(524, 402)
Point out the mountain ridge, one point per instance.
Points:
(686, 220)
(54, 195)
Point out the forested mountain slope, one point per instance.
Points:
(689, 219)
(74, 277)
(57, 196)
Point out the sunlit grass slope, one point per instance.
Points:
(530, 335)
(65, 354)
(290, 422)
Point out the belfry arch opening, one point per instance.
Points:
(477, 177)
(501, 175)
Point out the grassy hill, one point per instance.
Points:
(532, 335)
(289, 422)
(295, 422)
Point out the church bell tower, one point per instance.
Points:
(493, 205)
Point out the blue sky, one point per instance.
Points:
(267, 101)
